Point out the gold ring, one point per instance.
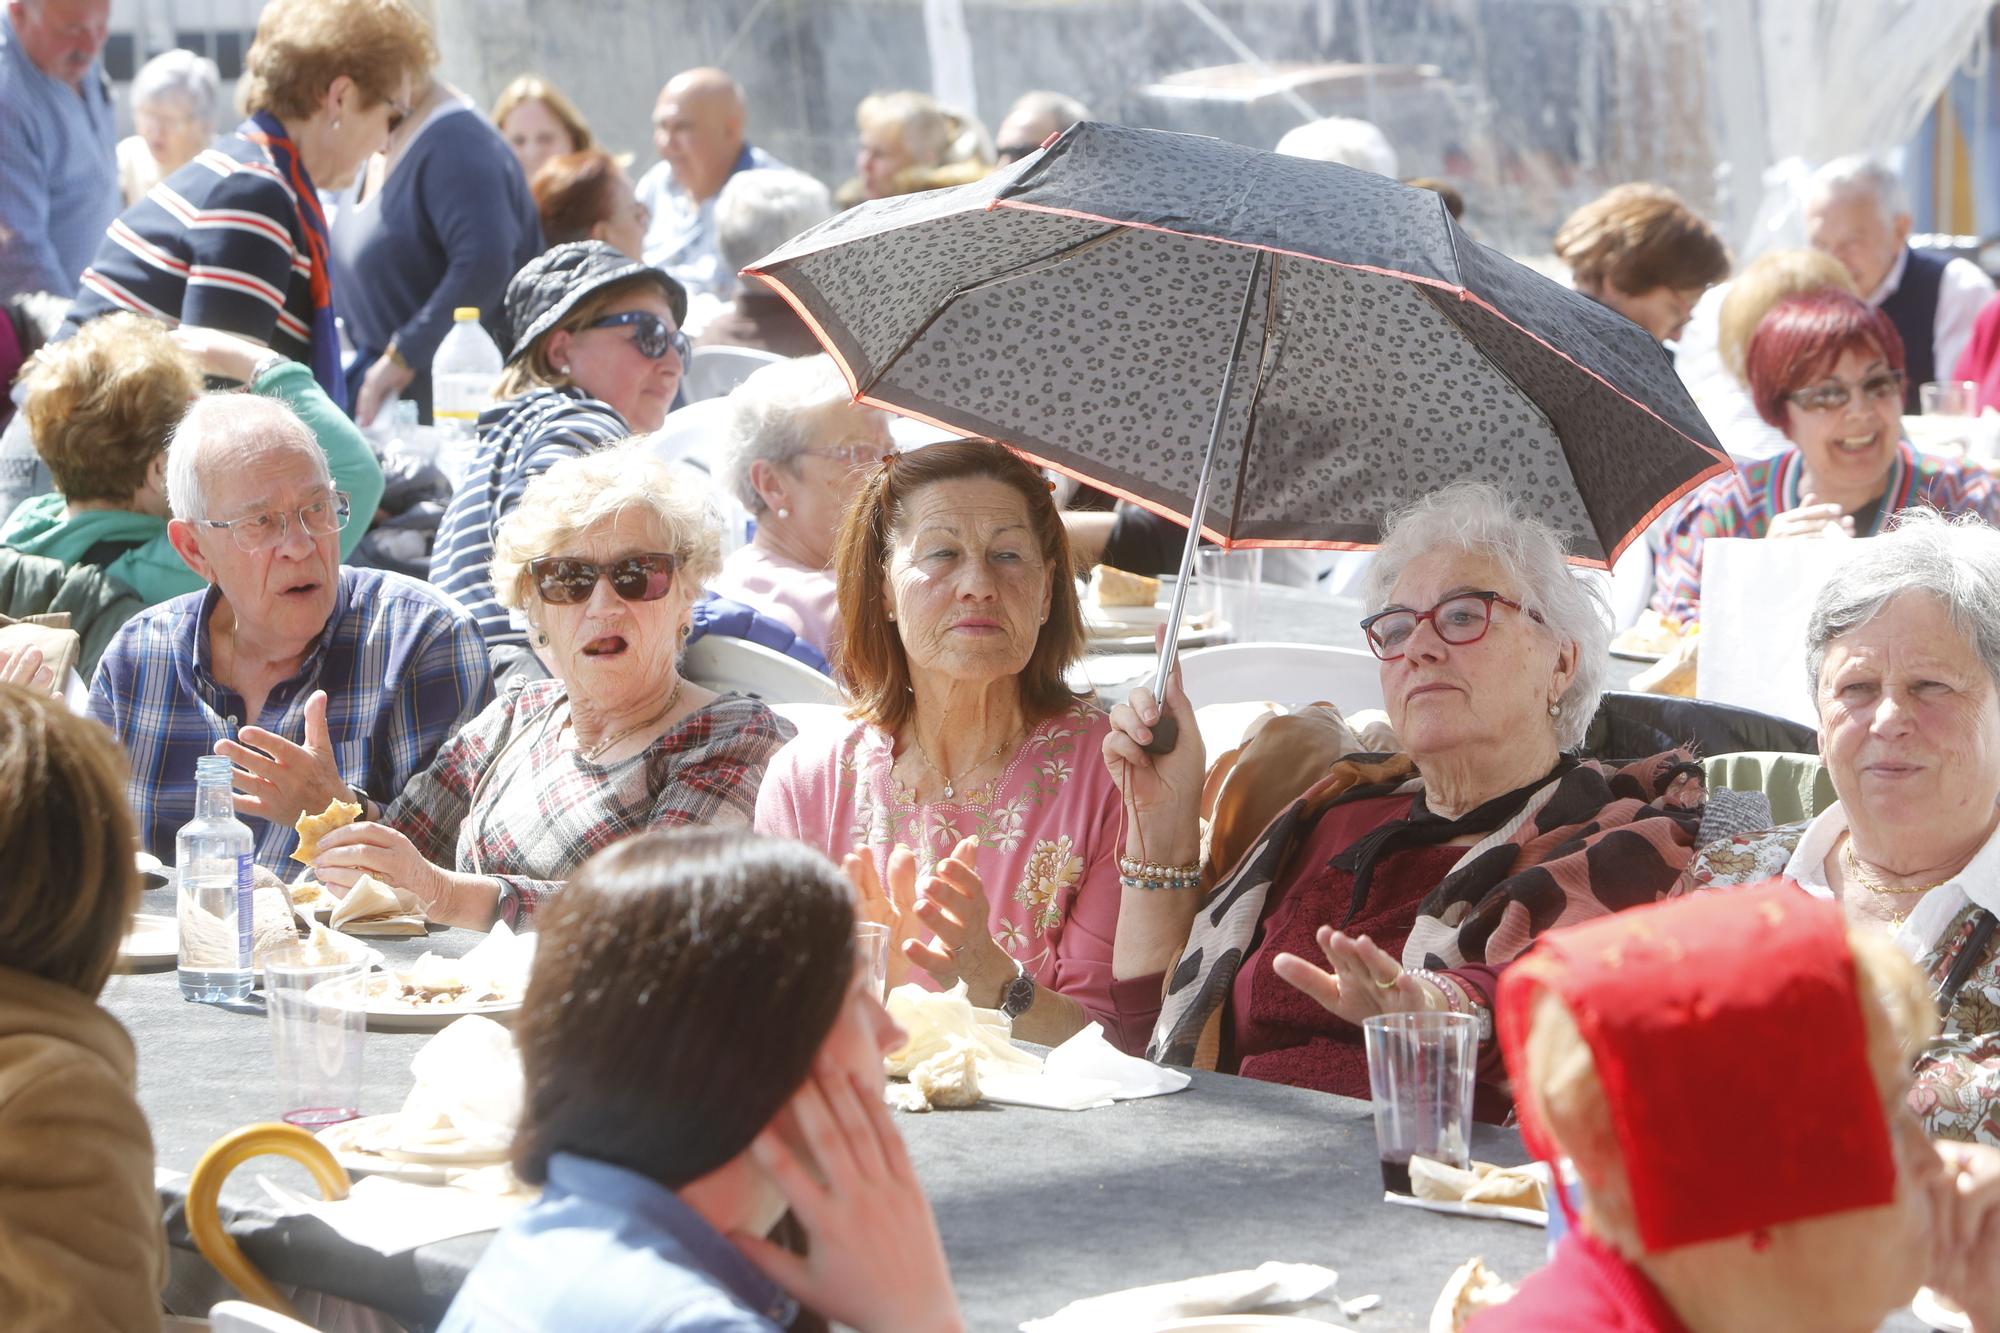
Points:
(1390, 984)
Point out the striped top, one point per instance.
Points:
(1742, 504)
(518, 441)
(218, 244)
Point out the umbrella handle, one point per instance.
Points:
(1165, 732)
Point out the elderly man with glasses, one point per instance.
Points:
(286, 658)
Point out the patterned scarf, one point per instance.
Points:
(271, 136)
(1591, 839)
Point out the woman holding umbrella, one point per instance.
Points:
(1406, 881)
(970, 761)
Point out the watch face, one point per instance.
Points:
(1019, 995)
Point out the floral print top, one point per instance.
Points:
(1957, 1088)
(1050, 829)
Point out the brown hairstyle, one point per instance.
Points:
(871, 655)
(683, 984)
(1765, 281)
(535, 88)
(102, 405)
(66, 838)
(573, 194)
(1800, 338)
(1638, 238)
(302, 46)
(535, 370)
(1563, 1081)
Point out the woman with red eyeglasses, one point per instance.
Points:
(604, 558)
(1827, 370)
(1404, 881)
(596, 357)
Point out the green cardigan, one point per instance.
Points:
(152, 568)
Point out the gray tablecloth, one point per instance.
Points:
(1037, 1208)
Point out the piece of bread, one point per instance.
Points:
(1115, 587)
(338, 814)
(374, 908)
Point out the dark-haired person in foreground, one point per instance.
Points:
(79, 1222)
(701, 1055)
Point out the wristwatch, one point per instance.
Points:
(1019, 994)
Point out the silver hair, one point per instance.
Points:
(1475, 517)
(1860, 174)
(761, 209)
(1342, 139)
(1955, 560)
(773, 416)
(222, 428)
(1059, 109)
(179, 74)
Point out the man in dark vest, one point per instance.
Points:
(1858, 212)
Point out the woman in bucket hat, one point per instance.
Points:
(597, 356)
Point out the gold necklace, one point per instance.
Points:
(1873, 885)
(604, 745)
(951, 783)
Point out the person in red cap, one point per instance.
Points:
(1734, 1177)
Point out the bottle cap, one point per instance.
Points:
(465, 312)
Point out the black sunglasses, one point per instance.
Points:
(563, 581)
(651, 334)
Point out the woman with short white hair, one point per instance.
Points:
(1903, 657)
(604, 557)
(758, 211)
(799, 448)
(1413, 877)
(173, 114)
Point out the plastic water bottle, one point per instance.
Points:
(216, 894)
(463, 372)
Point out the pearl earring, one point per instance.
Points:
(336, 122)
(1555, 710)
(892, 617)
(562, 370)
(784, 512)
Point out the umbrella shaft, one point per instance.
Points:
(1169, 647)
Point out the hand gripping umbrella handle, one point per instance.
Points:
(1167, 730)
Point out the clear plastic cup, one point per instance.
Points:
(871, 952)
(1948, 398)
(1420, 1073)
(319, 1026)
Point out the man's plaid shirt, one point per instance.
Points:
(402, 666)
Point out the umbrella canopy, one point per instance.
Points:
(1082, 304)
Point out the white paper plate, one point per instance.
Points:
(150, 941)
(344, 1138)
(1142, 617)
(391, 1015)
(1935, 1314)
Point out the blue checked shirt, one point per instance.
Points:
(403, 668)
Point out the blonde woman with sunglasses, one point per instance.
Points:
(603, 558)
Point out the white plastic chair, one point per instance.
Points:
(243, 1317)
(723, 662)
(1631, 588)
(1283, 673)
(714, 371)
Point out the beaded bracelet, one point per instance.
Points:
(1136, 874)
(1459, 998)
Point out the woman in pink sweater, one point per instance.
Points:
(970, 763)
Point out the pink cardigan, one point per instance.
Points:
(1050, 830)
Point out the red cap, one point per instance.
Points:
(1728, 1035)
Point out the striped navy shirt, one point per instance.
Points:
(218, 244)
(518, 441)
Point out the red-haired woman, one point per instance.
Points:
(1827, 371)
